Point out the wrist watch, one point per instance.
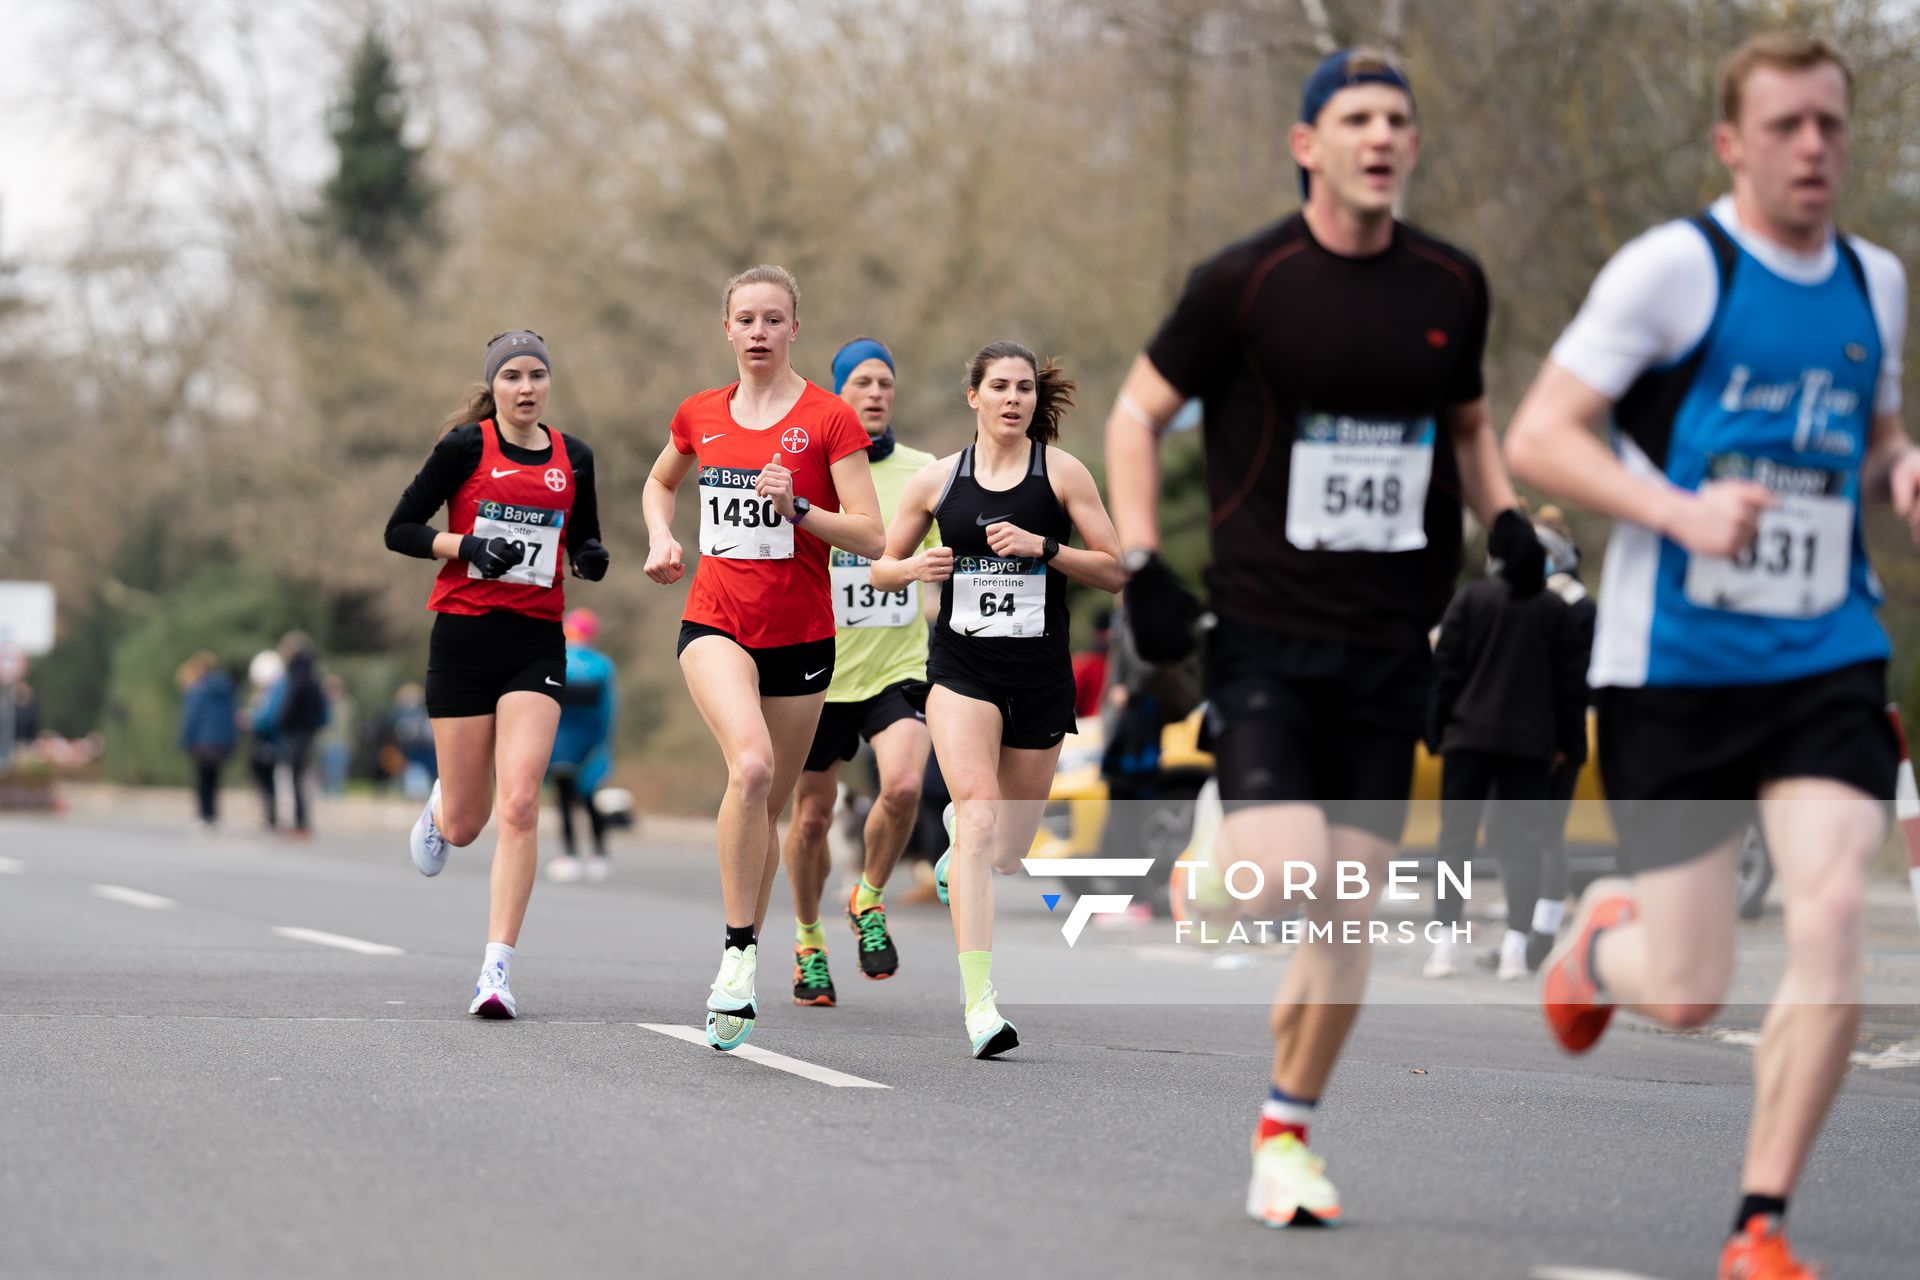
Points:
(800, 508)
(1049, 548)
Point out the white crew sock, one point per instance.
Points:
(501, 954)
(1513, 950)
(1547, 914)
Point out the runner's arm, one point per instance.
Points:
(1146, 404)
(1891, 471)
(1098, 565)
(856, 526)
(452, 461)
(1485, 489)
(665, 562)
(896, 567)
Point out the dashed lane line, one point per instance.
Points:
(339, 940)
(133, 897)
(778, 1061)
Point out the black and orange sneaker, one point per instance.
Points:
(812, 984)
(1569, 996)
(1761, 1252)
(878, 956)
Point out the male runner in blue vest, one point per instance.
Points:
(1750, 359)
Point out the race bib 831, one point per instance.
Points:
(1800, 561)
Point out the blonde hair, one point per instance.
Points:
(1781, 50)
(765, 273)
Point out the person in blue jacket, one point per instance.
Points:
(208, 731)
(583, 746)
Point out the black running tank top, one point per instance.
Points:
(1003, 621)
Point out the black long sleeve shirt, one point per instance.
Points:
(456, 457)
(1509, 676)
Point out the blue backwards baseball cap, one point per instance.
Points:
(1343, 70)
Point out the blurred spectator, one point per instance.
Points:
(208, 731)
(335, 743)
(583, 745)
(1508, 711)
(266, 674)
(406, 742)
(1090, 667)
(26, 713)
(1563, 579)
(303, 714)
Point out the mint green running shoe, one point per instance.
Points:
(947, 820)
(991, 1034)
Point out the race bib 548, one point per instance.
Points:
(1359, 484)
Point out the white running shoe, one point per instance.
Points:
(1442, 963)
(1290, 1187)
(1513, 958)
(565, 870)
(491, 998)
(429, 846)
(598, 870)
(990, 1034)
(730, 1007)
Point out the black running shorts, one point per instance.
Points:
(844, 724)
(1683, 767)
(1296, 720)
(473, 660)
(1031, 718)
(786, 671)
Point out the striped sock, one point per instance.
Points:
(809, 936)
(1284, 1113)
(865, 896)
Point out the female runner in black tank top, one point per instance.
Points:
(1002, 696)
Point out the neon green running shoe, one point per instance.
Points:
(1290, 1187)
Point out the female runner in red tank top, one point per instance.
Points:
(520, 499)
(782, 476)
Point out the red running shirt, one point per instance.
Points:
(759, 579)
(521, 503)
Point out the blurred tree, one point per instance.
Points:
(379, 198)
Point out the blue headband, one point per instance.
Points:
(855, 354)
(1331, 76)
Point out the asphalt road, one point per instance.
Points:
(185, 1091)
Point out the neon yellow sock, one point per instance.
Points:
(809, 935)
(974, 967)
(865, 896)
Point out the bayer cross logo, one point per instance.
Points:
(491, 510)
(794, 440)
(556, 479)
(1088, 905)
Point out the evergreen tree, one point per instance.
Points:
(380, 198)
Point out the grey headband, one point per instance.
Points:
(513, 343)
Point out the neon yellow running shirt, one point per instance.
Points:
(880, 637)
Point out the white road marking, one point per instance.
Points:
(133, 897)
(778, 1061)
(337, 940)
(1585, 1273)
(11, 867)
(1905, 1054)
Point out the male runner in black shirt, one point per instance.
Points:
(1337, 358)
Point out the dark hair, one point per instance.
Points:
(478, 407)
(1052, 387)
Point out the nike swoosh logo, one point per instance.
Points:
(854, 622)
(976, 631)
(710, 439)
(1059, 734)
(811, 674)
(498, 473)
(720, 551)
(555, 683)
(984, 521)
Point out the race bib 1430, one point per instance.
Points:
(1359, 484)
(735, 522)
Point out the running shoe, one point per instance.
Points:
(1442, 963)
(812, 984)
(491, 998)
(878, 956)
(1290, 1187)
(1761, 1252)
(428, 845)
(1568, 996)
(946, 859)
(564, 869)
(730, 1008)
(598, 869)
(991, 1034)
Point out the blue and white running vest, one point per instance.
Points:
(1779, 390)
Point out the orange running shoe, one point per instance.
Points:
(1575, 1013)
(1761, 1252)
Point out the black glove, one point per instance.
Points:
(1523, 561)
(491, 556)
(1160, 612)
(590, 560)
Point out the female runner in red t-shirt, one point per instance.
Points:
(519, 497)
(783, 476)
